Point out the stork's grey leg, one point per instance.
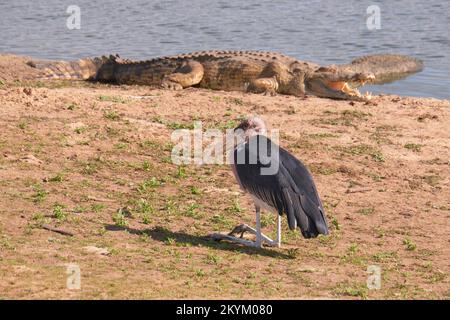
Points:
(258, 226)
(278, 242)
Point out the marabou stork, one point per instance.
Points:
(288, 190)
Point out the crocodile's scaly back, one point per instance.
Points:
(223, 70)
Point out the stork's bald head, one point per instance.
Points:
(250, 127)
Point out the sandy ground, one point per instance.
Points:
(94, 160)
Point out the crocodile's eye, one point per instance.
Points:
(332, 69)
(322, 69)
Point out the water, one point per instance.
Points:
(325, 32)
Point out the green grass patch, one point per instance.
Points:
(386, 256)
(59, 212)
(363, 149)
(114, 99)
(40, 194)
(22, 125)
(120, 220)
(149, 184)
(146, 165)
(320, 169)
(236, 101)
(97, 207)
(335, 223)
(366, 211)
(213, 259)
(192, 211)
(235, 207)
(173, 124)
(268, 219)
(344, 118)
(59, 177)
(322, 135)
(413, 147)
(351, 290)
(409, 244)
(195, 190)
(111, 115)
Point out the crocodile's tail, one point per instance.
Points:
(83, 69)
(385, 67)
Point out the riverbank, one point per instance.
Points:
(94, 160)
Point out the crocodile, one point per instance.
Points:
(249, 71)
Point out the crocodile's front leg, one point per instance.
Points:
(189, 74)
(264, 85)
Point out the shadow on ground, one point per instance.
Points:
(162, 234)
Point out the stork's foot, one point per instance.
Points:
(245, 242)
(243, 228)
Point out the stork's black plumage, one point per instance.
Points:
(277, 181)
(291, 190)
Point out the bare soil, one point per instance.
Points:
(94, 160)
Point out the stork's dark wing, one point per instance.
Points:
(290, 189)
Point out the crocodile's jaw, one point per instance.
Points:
(339, 89)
